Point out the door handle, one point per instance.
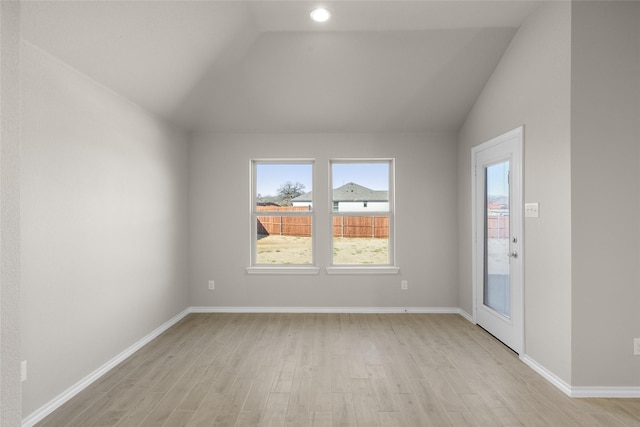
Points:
(513, 254)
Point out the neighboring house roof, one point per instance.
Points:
(350, 192)
(498, 200)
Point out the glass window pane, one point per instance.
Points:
(361, 240)
(497, 282)
(284, 184)
(360, 186)
(360, 196)
(284, 240)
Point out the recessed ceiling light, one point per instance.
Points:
(320, 14)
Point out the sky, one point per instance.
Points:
(371, 175)
(269, 177)
(497, 179)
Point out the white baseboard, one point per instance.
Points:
(40, 414)
(65, 396)
(61, 399)
(370, 310)
(547, 374)
(571, 391)
(606, 392)
(466, 315)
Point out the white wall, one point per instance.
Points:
(104, 203)
(104, 220)
(10, 397)
(425, 219)
(531, 87)
(355, 206)
(359, 207)
(605, 174)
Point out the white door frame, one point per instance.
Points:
(517, 227)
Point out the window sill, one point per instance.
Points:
(363, 270)
(283, 270)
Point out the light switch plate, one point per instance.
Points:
(532, 210)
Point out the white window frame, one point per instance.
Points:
(390, 268)
(280, 268)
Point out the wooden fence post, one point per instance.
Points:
(373, 226)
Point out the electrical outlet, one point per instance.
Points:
(23, 371)
(404, 285)
(212, 285)
(636, 346)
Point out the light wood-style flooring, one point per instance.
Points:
(330, 370)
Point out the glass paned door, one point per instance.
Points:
(497, 261)
(497, 281)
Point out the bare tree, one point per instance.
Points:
(289, 191)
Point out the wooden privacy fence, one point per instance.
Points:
(350, 226)
(361, 226)
(497, 227)
(343, 226)
(285, 225)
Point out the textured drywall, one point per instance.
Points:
(605, 176)
(9, 214)
(104, 225)
(426, 232)
(531, 87)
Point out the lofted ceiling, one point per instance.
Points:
(264, 66)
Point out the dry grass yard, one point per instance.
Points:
(297, 250)
(324, 370)
(348, 250)
(284, 250)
